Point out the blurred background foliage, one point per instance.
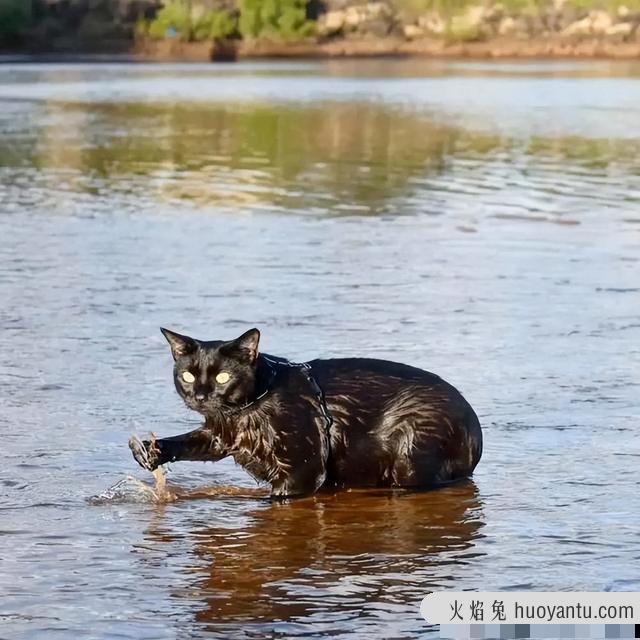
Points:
(39, 22)
(189, 22)
(108, 25)
(15, 17)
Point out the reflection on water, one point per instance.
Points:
(215, 156)
(354, 547)
(334, 158)
(477, 220)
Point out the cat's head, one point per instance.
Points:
(214, 376)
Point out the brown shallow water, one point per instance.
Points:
(481, 221)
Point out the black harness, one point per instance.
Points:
(305, 369)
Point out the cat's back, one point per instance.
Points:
(395, 425)
(328, 371)
(380, 382)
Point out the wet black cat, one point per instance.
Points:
(335, 423)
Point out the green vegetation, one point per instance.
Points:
(215, 24)
(284, 19)
(110, 25)
(177, 19)
(275, 18)
(174, 17)
(48, 24)
(15, 18)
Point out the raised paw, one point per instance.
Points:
(145, 452)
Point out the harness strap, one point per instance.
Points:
(305, 368)
(317, 389)
(272, 375)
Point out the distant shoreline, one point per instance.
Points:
(499, 49)
(552, 48)
(195, 30)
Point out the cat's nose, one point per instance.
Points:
(200, 392)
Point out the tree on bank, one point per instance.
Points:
(47, 24)
(15, 18)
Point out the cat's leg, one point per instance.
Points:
(286, 490)
(302, 480)
(201, 444)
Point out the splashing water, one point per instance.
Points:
(132, 489)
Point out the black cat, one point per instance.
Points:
(342, 422)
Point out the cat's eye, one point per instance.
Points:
(187, 376)
(222, 377)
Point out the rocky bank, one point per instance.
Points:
(341, 28)
(382, 28)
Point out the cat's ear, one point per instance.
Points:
(180, 345)
(247, 344)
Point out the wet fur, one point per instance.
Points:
(391, 425)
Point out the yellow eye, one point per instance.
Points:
(222, 377)
(188, 376)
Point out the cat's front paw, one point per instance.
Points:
(145, 452)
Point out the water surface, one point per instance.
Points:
(479, 220)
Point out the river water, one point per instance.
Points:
(478, 220)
